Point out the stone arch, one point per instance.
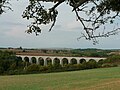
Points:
(41, 61)
(56, 61)
(82, 60)
(26, 59)
(49, 61)
(65, 61)
(92, 60)
(19, 58)
(33, 60)
(101, 61)
(73, 61)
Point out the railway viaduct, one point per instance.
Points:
(45, 60)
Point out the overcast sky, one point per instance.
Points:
(63, 35)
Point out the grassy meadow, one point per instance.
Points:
(94, 79)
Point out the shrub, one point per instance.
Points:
(43, 68)
(113, 59)
(32, 68)
(109, 65)
(91, 64)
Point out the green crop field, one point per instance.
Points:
(94, 79)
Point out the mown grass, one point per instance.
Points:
(94, 79)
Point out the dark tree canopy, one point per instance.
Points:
(98, 14)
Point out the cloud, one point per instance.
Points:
(11, 24)
(58, 26)
(72, 26)
(16, 32)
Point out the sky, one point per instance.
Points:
(63, 35)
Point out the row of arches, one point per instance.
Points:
(47, 61)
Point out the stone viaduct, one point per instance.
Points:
(45, 60)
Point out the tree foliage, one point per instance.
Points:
(93, 15)
(4, 5)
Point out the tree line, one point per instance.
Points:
(12, 65)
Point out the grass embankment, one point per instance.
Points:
(94, 79)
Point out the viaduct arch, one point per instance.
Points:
(45, 60)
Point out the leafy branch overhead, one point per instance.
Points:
(94, 15)
(4, 5)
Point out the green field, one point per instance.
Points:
(94, 79)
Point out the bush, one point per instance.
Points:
(43, 68)
(113, 59)
(83, 66)
(92, 64)
(109, 65)
(57, 66)
(32, 68)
